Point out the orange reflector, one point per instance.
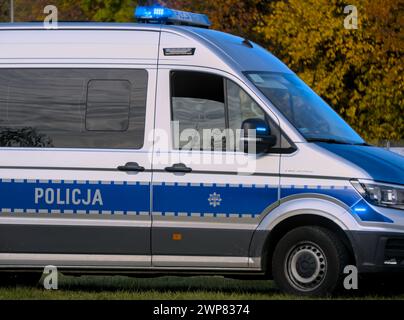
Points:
(177, 236)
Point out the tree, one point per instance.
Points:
(5, 11)
(360, 72)
(233, 16)
(32, 10)
(109, 10)
(77, 10)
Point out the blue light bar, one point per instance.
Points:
(159, 14)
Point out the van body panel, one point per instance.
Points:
(325, 165)
(202, 56)
(80, 44)
(188, 196)
(75, 200)
(380, 164)
(242, 56)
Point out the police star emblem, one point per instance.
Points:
(214, 199)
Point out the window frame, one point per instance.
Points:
(279, 150)
(132, 108)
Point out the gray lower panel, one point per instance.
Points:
(259, 240)
(201, 242)
(81, 263)
(74, 260)
(74, 239)
(203, 262)
(377, 251)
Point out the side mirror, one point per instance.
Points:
(256, 136)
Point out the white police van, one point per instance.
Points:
(121, 151)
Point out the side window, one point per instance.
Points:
(198, 110)
(208, 112)
(241, 107)
(72, 108)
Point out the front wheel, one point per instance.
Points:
(309, 261)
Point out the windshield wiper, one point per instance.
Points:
(327, 140)
(335, 141)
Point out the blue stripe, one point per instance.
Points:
(346, 195)
(366, 213)
(234, 199)
(115, 197)
(170, 199)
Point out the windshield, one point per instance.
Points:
(314, 118)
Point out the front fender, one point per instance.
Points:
(315, 204)
(309, 204)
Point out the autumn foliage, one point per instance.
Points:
(360, 72)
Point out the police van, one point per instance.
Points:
(165, 147)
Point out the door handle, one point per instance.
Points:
(131, 166)
(178, 167)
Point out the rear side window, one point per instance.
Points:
(198, 104)
(72, 108)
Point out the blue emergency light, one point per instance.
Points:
(160, 14)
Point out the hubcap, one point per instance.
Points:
(306, 266)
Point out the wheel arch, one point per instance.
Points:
(295, 213)
(293, 222)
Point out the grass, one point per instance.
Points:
(170, 288)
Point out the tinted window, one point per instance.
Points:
(197, 108)
(108, 105)
(208, 112)
(242, 107)
(72, 108)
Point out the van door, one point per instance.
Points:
(208, 195)
(74, 166)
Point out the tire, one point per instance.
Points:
(309, 261)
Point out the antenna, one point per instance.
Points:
(247, 43)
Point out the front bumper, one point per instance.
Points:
(378, 251)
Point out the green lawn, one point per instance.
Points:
(114, 287)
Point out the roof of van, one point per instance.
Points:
(231, 48)
(80, 26)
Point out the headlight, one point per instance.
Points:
(381, 194)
